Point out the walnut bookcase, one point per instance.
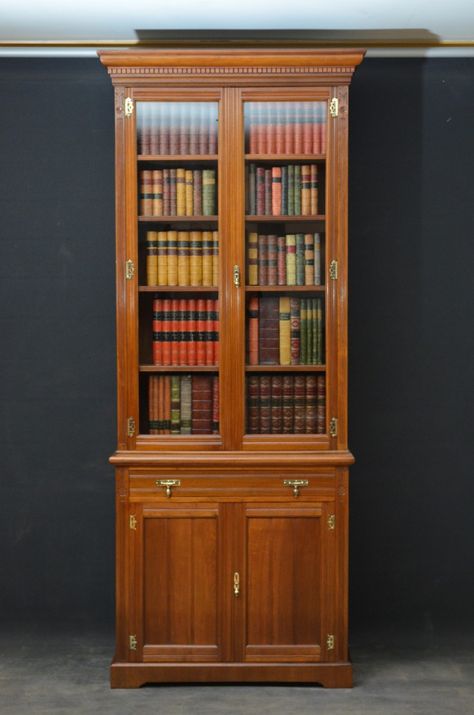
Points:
(232, 459)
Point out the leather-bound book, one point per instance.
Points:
(204, 129)
(288, 400)
(157, 329)
(281, 260)
(300, 259)
(310, 325)
(252, 190)
(146, 192)
(173, 133)
(277, 403)
(310, 405)
(300, 402)
(272, 274)
(210, 336)
(157, 209)
(162, 253)
(265, 404)
(215, 404)
(216, 333)
(317, 259)
(215, 258)
(252, 138)
(279, 128)
(172, 258)
(276, 190)
(260, 183)
(313, 190)
(297, 190)
(195, 258)
(316, 129)
(192, 331)
(197, 192)
(175, 331)
(253, 316)
(201, 331)
(294, 331)
(163, 129)
(268, 192)
(320, 358)
(144, 134)
(175, 405)
(208, 192)
(322, 130)
(160, 403)
(151, 258)
(213, 131)
(183, 331)
(183, 258)
(285, 358)
(261, 128)
(307, 128)
(207, 251)
(269, 333)
(194, 132)
(189, 192)
(284, 191)
(167, 404)
(253, 404)
(303, 332)
(201, 408)
(291, 259)
(185, 406)
(298, 127)
(184, 110)
(166, 192)
(166, 330)
(252, 259)
(289, 139)
(153, 424)
(306, 190)
(180, 192)
(321, 404)
(291, 190)
(308, 259)
(271, 128)
(262, 260)
(173, 193)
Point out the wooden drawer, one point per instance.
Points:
(146, 485)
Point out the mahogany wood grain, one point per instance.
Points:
(178, 219)
(179, 158)
(178, 289)
(179, 368)
(285, 368)
(285, 158)
(286, 289)
(286, 219)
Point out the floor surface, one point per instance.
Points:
(44, 674)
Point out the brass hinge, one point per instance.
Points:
(331, 521)
(330, 642)
(128, 106)
(129, 269)
(333, 270)
(333, 427)
(132, 642)
(132, 522)
(131, 426)
(334, 107)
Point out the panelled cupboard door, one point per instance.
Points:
(178, 603)
(288, 584)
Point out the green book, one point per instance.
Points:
(300, 259)
(316, 348)
(185, 406)
(297, 191)
(309, 331)
(320, 332)
(175, 404)
(208, 192)
(291, 190)
(303, 332)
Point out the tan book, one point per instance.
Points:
(157, 192)
(162, 279)
(188, 180)
(285, 357)
(146, 193)
(215, 258)
(195, 258)
(291, 259)
(152, 258)
(180, 192)
(183, 258)
(172, 258)
(207, 258)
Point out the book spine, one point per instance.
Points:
(201, 409)
(157, 330)
(310, 319)
(163, 129)
(153, 424)
(310, 404)
(297, 190)
(180, 192)
(265, 405)
(192, 330)
(261, 129)
(213, 127)
(279, 129)
(260, 198)
(281, 260)
(172, 258)
(210, 339)
(207, 251)
(252, 259)
(320, 404)
(253, 404)
(306, 190)
(272, 272)
(253, 311)
(262, 260)
(284, 190)
(269, 338)
(162, 257)
(322, 129)
(166, 192)
(203, 129)
(316, 131)
(250, 116)
(288, 400)
(166, 331)
(151, 258)
(291, 190)
(215, 404)
(183, 332)
(143, 130)
(175, 331)
(300, 399)
(216, 332)
(201, 332)
(276, 191)
(277, 404)
(299, 259)
(215, 258)
(285, 341)
(313, 189)
(189, 193)
(160, 403)
(173, 193)
(308, 259)
(320, 357)
(252, 183)
(167, 404)
(157, 209)
(303, 332)
(294, 331)
(289, 143)
(183, 258)
(268, 192)
(208, 192)
(271, 128)
(183, 119)
(146, 193)
(175, 405)
(197, 192)
(291, 259)
(307, 128)
(298, 128)
(185, 404)
(317, 259)
(195, 258)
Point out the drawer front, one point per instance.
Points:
(146, 485)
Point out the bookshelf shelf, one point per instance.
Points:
(219, 463)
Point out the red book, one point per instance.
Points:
(307, 128)
(310, 404)
(316, 128)
(183, 332)
(175, 331)
(201, 332)
(215, 404)
(321, 404)
(279, 128)
(271, 128)
(260, 183)
(298, 128)
(261, 128)
(216, 332)
(295, 331)
(253, 329)
(210, 339)
(268, 192)
(276, 190)
(277, 403)
(288, 400)
(192, 337)
(269, 330)
(166, 349)
(253, 404)
(322, 133)
(265, 405)
(157, 331)
(281, 260)
(289, 144)
(201, 404)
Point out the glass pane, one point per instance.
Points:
(178, 247)
(285, 127)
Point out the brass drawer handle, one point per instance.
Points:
(296, 484)
(236, 583)
(168, 484)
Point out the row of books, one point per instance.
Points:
(286, 127)
(183, 404)
(182, 258)
(177, 192)
(286, 404)
(285, 331)
(293, 259)
(177, 128)
(185, 331)
(290, 190)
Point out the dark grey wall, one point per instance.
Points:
(411, 316)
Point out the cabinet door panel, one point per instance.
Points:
(181, 566)
(286, 550)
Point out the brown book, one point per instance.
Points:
(288, 402)
(260, 188)
(157, 209)
(262, 260)
(146, 193)
(272, 260)
(201, 406)
(314, 189)
(215, 404)
(153, 424)
(166, 192)
(281, 260)
(269, 333)
(151, 258)
(277, 403)
(253, 404)
(268, 192)
(167, 404)
(306, 190)
(265, 404)
(300, 404)
(310, 404)
(321, 404)
(197, 192)
(210, 337)
(253, 330)
(298, 127)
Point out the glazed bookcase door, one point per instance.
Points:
(290, 347)
(173, 216)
